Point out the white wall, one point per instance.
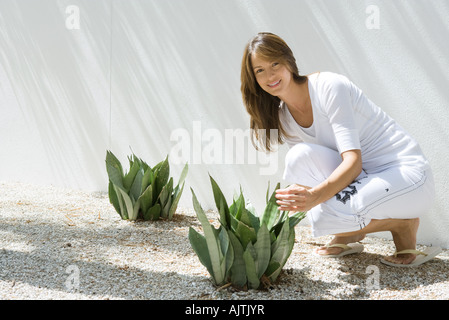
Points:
(137, 72)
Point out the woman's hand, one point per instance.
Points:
(300, 198)
(296, 198)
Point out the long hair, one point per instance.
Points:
(262, 107)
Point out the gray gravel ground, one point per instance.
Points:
(64, 244)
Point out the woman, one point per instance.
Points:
(353, 168)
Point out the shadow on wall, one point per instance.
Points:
(175, 66)
(60, 79)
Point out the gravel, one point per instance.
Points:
(64, 244)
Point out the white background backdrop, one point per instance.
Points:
(78, 77)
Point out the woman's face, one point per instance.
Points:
(272, 76)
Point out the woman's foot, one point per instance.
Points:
(405, 258)
(338, 240)
(404, 237)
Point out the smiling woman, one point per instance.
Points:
(353, 168)
(266, 57)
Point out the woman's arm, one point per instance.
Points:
(303, 198)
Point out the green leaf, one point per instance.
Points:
(147, 178)
(113, 199)
(278, 248)
(263, 250)
(136, 187)
(184, 172)
(144, 165)
(166, 208)
(175, 202)
(114, 175)
(245, 234)
(282, 248)
(158, 166)
(296, 218)
(238, 269)
(220, 202)
(224, 216)
(273, 270)
(146, 199)
(122, 211)
(236, 209)
(251, 209)
(166, 192)
(234, 223)
(276, 229)
(227, 251)
(245, 216)
(162, 175)
(273, 194)
(250, 266)
(153, 213)
(126, 204)
(135, 212)
(252, 218)
(131, 175)
(213, 245)
(199, 245)
(271, 212)
(113, 164)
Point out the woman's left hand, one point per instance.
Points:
(296, 198)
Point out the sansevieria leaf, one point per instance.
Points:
(263, 250)
(238, 269)
(213, 244)
(251, 269)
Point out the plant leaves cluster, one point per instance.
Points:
(245, 250)
(143, 192)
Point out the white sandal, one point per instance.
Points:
(421, 257)
(347, 249)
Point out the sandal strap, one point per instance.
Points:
(338, 245)
(413, 251)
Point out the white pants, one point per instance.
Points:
(399, 192)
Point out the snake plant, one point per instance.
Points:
(246, 250)
(143, 192)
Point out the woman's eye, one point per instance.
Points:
(275, 64)
(259, 70)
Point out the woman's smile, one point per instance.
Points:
(274, 84)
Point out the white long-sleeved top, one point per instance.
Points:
(345, 119)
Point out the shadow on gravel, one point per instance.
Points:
(92, 279)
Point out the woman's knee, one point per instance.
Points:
(309, 164)
(298, 153)
(309, 155)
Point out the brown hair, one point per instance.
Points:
(262, 107)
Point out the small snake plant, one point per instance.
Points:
(143, 192)
(246, 250)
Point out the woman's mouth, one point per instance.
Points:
(274, 84)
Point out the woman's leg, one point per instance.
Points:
(391, 200)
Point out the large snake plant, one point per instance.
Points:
(246, 250)
(143, 192)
